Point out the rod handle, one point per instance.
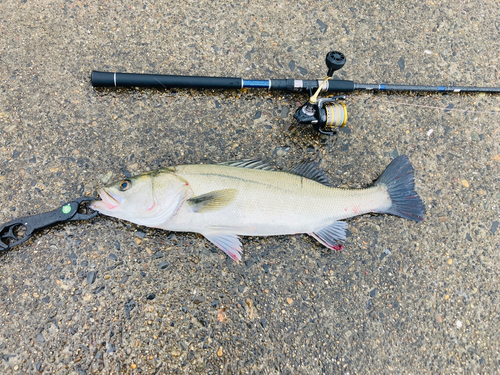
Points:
(109, 79)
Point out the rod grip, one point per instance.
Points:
(108, 79)
(102, 79)
(340, 86)
(282, 84)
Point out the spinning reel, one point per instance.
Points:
(325, 114)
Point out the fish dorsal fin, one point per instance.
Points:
(249, 163)
(215, 200)
(311, 170)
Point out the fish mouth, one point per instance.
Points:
(110, 200)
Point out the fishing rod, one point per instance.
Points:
(325, 114)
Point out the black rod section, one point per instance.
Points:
(105, 79)
(340, 86)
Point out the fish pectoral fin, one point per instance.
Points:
(332, 235)
(227, 242)
(215, 200)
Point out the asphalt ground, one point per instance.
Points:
(104, 296)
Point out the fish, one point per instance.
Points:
(250, 198)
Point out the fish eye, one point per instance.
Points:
(125, 184)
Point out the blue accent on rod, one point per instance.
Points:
(441, 88)
(254, 84)
(382, 87)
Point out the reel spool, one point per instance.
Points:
(332, 114)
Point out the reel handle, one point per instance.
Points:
(335, 60)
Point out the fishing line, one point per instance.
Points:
(446, 109)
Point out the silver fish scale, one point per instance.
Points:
(271, 202)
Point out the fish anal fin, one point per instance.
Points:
(332, 235)
(227, 242)
(311, 170)
(215, 200)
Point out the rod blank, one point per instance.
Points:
(363, 86)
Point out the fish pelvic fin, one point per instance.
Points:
(227, 242)
(398, 179)
(215, 200)
(332, 236)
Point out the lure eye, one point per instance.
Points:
(125, 184)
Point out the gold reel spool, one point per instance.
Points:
(336, 115)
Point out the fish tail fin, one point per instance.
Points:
(399, 181)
